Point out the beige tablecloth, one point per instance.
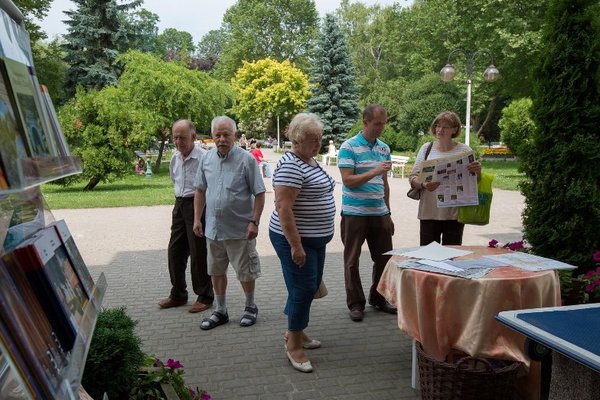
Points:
(443, 312)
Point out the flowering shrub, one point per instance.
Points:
(171, 372)
(590, 282)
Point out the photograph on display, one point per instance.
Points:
(12, 145)
(29, 261)
(458, 187)
(56, 274)
(27, 339)
(26, 100)
(74, 256)
(14, 40)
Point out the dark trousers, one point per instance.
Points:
(184, 244)
(448, 232)
(377, 231)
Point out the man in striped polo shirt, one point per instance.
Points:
(364, 162)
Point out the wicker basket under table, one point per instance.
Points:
(469, 378)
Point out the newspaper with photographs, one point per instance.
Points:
(458, 187)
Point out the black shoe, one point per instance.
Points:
(357, 315)
(386, 308)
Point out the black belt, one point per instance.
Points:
(184, 198)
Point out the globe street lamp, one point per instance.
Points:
(270, 115)
(491, 74)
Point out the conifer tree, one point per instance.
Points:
(94, 38)
(334, 92)
(562, 191)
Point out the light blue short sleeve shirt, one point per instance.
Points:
(230, 184)
(361, 156)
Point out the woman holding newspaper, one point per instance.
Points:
(440, 224)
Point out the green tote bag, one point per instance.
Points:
(480, 214)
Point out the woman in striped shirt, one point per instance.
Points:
(301, 226)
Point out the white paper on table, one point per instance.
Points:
(436, 252)
(440, 265)
(530, 262)
(399, 252)
(477, 263)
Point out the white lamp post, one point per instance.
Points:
(447, 73)
(270, 115)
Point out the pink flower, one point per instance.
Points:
(596, 256)
(192, 393)
(515, 245)
(493, 243)
(206, 396)
(589, 288)
(589, 274)
(597, 282)
(173, 364)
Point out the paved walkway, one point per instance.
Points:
(366, 360)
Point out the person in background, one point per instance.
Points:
(301, 226)
(260, 159)
(183, 243)
(364, 162)
(243, 142)
(229, 184)
(440, 224)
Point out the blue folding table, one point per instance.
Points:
(570, 330)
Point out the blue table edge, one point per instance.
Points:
(510, 319)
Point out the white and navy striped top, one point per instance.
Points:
(314, 209)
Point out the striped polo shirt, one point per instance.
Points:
(361, 156)
(314, 208)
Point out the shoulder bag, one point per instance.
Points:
(415, 193)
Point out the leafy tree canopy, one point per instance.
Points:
(268, 86)
(173, 40)
(257, 29)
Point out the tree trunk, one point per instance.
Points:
(494, 104)
(163, 137)
(91, 184)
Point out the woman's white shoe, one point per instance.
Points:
(305, 366)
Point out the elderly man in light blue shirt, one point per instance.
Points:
(230, 185)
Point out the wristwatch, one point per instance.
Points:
(255, 222)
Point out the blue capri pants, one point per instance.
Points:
(302, 283)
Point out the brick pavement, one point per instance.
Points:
(366, 360)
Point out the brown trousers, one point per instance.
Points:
(377, 231)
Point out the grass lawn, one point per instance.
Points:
(506, 174)
(133, 190)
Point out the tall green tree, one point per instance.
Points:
(95, 34)
(141, 27)
(562, 162)
(172, 40)
(268, 86)
(334, 92)
(257, 29)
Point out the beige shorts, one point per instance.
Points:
(240, 253)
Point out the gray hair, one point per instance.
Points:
(301, 125)
(190, 125)
(223, 118)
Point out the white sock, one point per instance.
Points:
(220, 304)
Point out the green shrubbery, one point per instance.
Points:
(562, 163)
(516, 125)
(115, 356)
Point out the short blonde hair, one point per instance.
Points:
(302, 126)
(447, 116)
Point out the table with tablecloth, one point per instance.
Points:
(445, 312)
